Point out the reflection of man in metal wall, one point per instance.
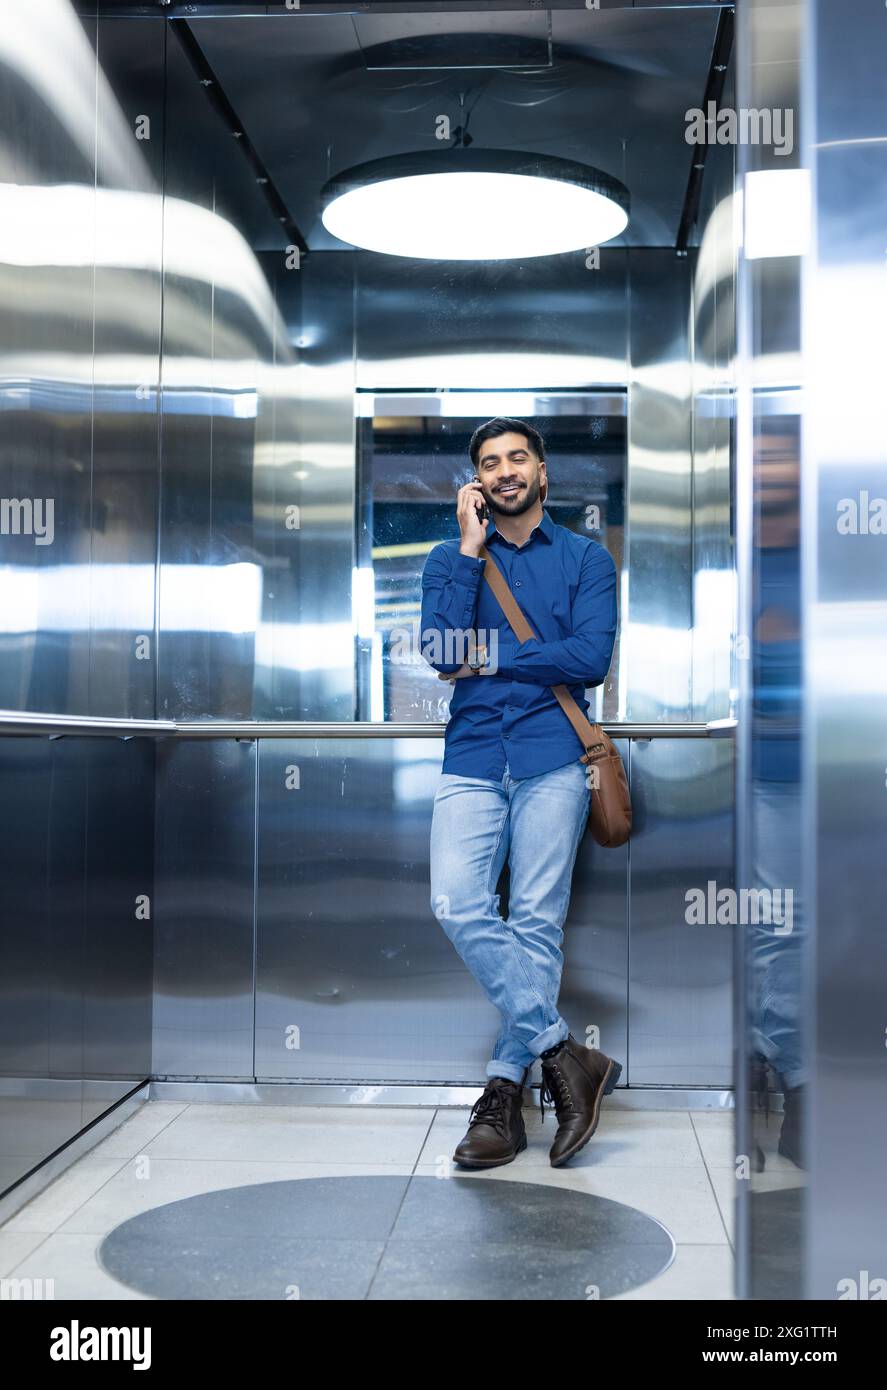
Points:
(512, 784)
(776, 774)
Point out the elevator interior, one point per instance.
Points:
(253, 434)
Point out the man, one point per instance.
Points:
(512, 784)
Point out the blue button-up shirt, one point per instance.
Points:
(566, 586)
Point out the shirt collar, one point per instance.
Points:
(545, 529)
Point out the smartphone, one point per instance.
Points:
(483, 512)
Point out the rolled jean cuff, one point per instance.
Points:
(558, 1032)
(509, 1070)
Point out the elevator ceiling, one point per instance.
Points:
(317, 93)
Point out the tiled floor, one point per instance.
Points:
(676, 1166)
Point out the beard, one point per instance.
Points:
(525, 498)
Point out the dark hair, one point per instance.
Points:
(501, 425)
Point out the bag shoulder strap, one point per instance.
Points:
(591, 736)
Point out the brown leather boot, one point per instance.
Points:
(496, 1132)
(791, 1135)
(575, 1079)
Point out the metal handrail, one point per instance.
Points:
(61, 725)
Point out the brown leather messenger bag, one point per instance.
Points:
(609, 816)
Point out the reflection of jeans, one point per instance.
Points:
(775, 955)
(537, 822)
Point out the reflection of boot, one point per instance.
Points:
(759, 1083)
(791, 1135)
(759, 1086)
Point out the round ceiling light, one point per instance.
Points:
(474, 205)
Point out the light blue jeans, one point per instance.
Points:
(537, 822)
(776, 957)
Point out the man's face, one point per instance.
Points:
(511, 474)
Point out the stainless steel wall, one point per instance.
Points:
(773, 1050)
(80, 171)
(327, 932)
(204, 935)
(845, 609)
(712, 356)
(656, 610)
(230, 426)
(812, 512)
(76, 939)
(80, 267)
(680, 978)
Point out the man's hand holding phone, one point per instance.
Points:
(472, 515)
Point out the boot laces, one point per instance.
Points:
(555, 1089)
(489, 1109)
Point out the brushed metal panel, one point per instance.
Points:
(656, 619)
(118, 957)
(224, 345)
(406, 1093)
(594, 988)
(845, 612)
(81, 286)
(770, 1225)
(40, 954)
(551, 322)
(126, 365)
(203, 922)
(77, 964)
(312, 641)
(354, 978)
(713, 346)
(47, 167)
(680, 978)
(65, 962)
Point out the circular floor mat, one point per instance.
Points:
(388, 1237)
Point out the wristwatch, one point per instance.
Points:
(480, 659)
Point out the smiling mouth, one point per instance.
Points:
(503, 491)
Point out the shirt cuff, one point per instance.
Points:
(465, 578)
(467, 569)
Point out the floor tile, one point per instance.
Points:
(448, 1270)
(15, 1245)
(70, 1262)
(65, 1194)
(682, 1201)
(171, 1180)
(723, 1181)
(697, 1272)
(715, 1134)
(304, 1134)
(145, 1124)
